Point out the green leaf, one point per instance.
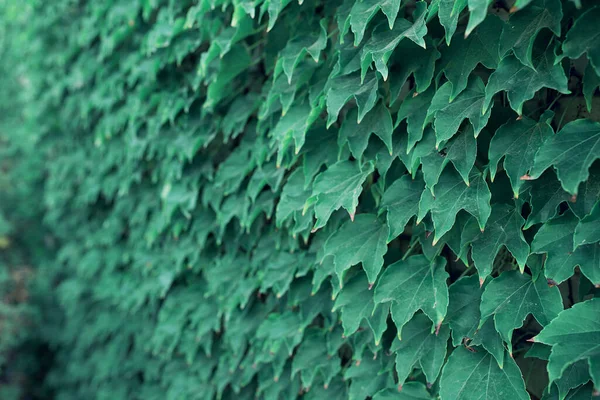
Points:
(463, 308)
(414, 284)
(343, 88)
(401, 201)
(469, 375)
(546, 194)
(502, 229)
(452, 195)
(355, 301)
(414, 110)
(523, 27)
(410, 391)
(570, 345)
(555, 238)
(420, 347)
(571, 151)
(583, 38)
(377, 121)
(311, 359)
(383, 41)
(521, 82)
(338, 186)
(407, 59)
(461, 150)
(362, 240)
(588, 229)
(478, 10)
(480, 47)
(513, 296)
(447, 114)
(368, 377)
(363, 11)
(448, 13)
(591, 82)
(517, 141)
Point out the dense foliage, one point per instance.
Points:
(332, 199)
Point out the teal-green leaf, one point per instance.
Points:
(546, 194)
(356, 133)
(591, 82)
(517, 142)
(338, 186)
(414, 110)
(571, 151)
(355, 301)
(512, 296)
(311, 359)
(502, 229)
(452, 195)
(343, 88)
(522, 28)
(583, 37)
(480, 47)
(383, 41)
(463, 308)
(447, 114)
(574, 335)
(588, 229)
(410, 391)
(410, 58)
(473, 376)
(420, 347)
(461, 150)
(555, 238)
(521, 82)
(401, 201)
(363, 11)
(362, 240)
(478, 10)
(414, 284)
(449, 11)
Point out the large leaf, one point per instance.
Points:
(513, 296)
(414, 284)
(377, 121)
(571, 151)
(363, 240)
(574, 335)
(401, 201)
(583, 38)
(469, 375)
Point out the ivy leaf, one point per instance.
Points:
(555, 238)
(362, 240)
(407, 59)
(583, 37)
(517, 141)
(452, 195)
(297, 48)
(377, 121)
(363, 11)
(355, 301)
(480, 47)
(414, 284)
(461, 150)
(591, 82)
(368, 377)
(463, 308)
(546, 194)
(587, 195)
(449, 11)
(502, 229)
(414, 110)
(320, 149)
(338, 186)
(573, 336)
(478, 10)
(383, 41)
(448, 114)
(513, 296)
(466, 374)
(588, 229)
(343, 88)
(571, 151)
(311, 359)
(293, 127)
(401, 201)
(522, 28)
(410, 391)
(521, 82)
(420, 347)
